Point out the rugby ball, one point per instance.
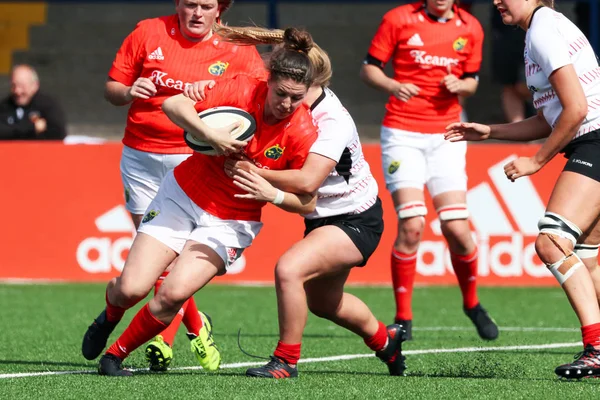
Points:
(219, 117)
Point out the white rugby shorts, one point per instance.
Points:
(173, 218)
(142, 173)
(412, 160)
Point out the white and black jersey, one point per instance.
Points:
(551, 42)
(350, 186)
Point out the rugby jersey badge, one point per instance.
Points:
(218, 68)
(274, 152)
(150, 216)
(393, 167)
(459, 44)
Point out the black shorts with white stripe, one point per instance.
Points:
(584, 155)
(364, 229)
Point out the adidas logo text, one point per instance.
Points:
(415, 40)
(156, 55)
(107, 250)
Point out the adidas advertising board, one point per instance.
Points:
(504, 217)
(76, 220)
(108, 250)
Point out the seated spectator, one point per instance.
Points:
(28, 113)
(508, 69)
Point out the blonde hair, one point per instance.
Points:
(253, 35)
(548, 3)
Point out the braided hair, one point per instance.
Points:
(253, 36)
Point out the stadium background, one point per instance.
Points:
(81, 228)
(62, 204)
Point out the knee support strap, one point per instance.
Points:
(554, 224)
(453, 211)
(586, 250)
(565, 267)
(411, 209)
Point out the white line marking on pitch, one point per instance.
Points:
(323, 359)
(502, 329)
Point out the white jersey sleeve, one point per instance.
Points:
(333, 138)
(552, 42)
(549, 49)
(350, 187)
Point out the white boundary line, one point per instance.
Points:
(501, 328)
(323, 359)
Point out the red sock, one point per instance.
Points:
(290, 353)
(591, 335)
(379, 339)
(113, 313)
(404, 268)
(465, 268)
(171, 331)
(191, 317)
(159, 282)
(143, 327)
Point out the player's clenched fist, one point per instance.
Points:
(522, 166)
(452, 83)
(142, 88)
(404, 91)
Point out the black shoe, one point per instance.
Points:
(406, 325)
(94, 340)
(486, 327)
(586, 364)
(275, 368)
(110, 365)
(392, 354)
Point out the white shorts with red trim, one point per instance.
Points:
(413, 160)
(173, 218)
(142, 173)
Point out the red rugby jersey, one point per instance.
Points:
(157, 50)
(421, 50)
(284, 145)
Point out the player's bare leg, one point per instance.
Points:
(325, 253)
(587, 250)
(195, 267)
(451, 207)
(409, 204)
(566, 217)
(147, 259)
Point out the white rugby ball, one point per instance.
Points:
(219, 117)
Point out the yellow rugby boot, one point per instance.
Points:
(203, 346)
(158, 354)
